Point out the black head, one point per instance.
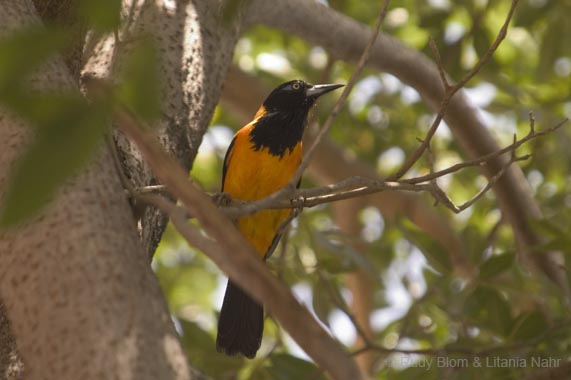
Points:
(280, 122)
(296, 95)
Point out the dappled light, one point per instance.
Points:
(414, 223)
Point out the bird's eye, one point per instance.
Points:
(296, 86)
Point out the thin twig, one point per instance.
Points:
(465, 351)
(152, 189)
(289, 189)
(360, 186)
(342, 305)
(531, 135)
(445, 83)
(228, 248)
(343, 98)
(281, 230)
(127, 185)
(457, 209)
(449, 93)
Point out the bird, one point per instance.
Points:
(261, 159)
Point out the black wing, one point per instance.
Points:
(226, 161)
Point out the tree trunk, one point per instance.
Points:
(84, 245)
(195, 50)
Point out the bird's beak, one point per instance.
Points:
(320, 89)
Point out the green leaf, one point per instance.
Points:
(140, 88)
(201, 349)
(288, 367)
(102, 15)
(336, 254)
(321, 305)
(528, 325)
(435, 254)
(487, 308)
(474, 242)
(49, 112)
(559, 244)
(433, 18)
(25, 50)
(481, 42)
(67, 133)
(527, 15)
(548, 227)
(496, 265)
(551, 48)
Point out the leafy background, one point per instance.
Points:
(419, 303)
(505, 310)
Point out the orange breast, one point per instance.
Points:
(253, 175)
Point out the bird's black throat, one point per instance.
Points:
(279, 131)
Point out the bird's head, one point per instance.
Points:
(296, 95)
(280, 121)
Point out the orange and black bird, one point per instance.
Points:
(261, 159)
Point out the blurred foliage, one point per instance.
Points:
(101, 15)
(419, 301)
(67, 127)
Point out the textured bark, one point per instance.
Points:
(11, 366)
(56, 12)
(83, 254)
(344, 38)
(228, 248)
(82, 300)
(63, 13)
(195, 51)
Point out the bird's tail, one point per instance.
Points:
(241, 323)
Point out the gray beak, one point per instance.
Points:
(320, 89)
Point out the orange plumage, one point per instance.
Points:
(261, 159)
(253, 175)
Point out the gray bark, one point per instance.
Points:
(195, 51)
(11, 365)
(83, 254)
(81, 298)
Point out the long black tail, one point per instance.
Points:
(241, 323)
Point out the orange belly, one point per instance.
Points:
(253, 175)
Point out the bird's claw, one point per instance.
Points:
(222, 199)
(297, 204)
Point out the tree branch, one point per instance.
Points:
(82, 300)
(344, 38)
(191, 72)
(450, 91)
(360, 186)
(331, 165)
(341, 101)
(233, 255)
(468, 351)
(291, 186)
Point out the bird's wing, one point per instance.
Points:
(227, 161)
